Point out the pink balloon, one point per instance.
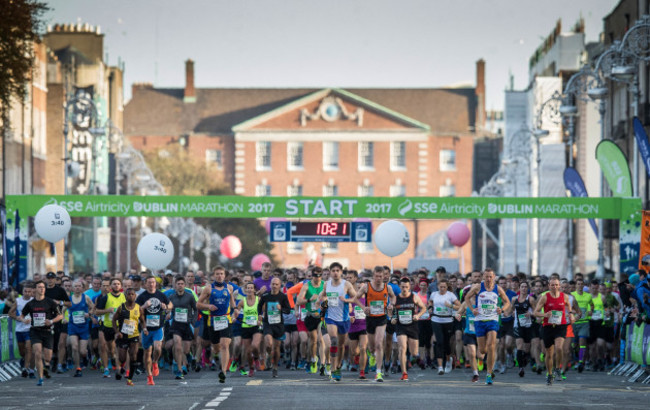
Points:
(230, 247)
(458, 234)
(267, 224)
(258, 260)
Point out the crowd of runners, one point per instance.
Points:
(373, 324)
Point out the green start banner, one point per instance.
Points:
(323, 207)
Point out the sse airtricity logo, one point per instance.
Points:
(405, 207)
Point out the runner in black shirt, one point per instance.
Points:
(153, 304)
(43, 314)
(272, 306)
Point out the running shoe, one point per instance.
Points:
(179, 376)
(24, 373)
(222, 377)
(243, 372)
(475, 378)
(394, 368)
(371, 360)
(549, 380)
(107, 374)
(59, 369)
(441, 371)
(184, 370)
(322, 370)
(541, 357)
(258, 365)
(46, 371)
(129, 382)
(251, 372)
(275, 373)
(155, 371)
(563, 375)
(328, 370)
(32, 375)
(539, 370)
(118, 375)
(448, 366)
(293, 366)
(521, 372)
(405, 377)
(422, 364)
(488, 380)
(581, 367)
(150, 381)
(362, 375)
(480, 365)
(301, 365)
(232, 368)
(379, 377)
(313, 368)
(336, 375)
(77, 373)
(40, 382)
(457, 364)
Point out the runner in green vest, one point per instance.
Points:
(581, 325)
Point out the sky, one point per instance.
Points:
(333, 43)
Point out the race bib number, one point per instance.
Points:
(303, 314)
(180, 315)
(332, 299)
(275, 318)
(405, 317)
(443, 311)
(153, 321)
(597, 315)
(471, 326)
(39, 319)
(128, 327)
(487, 309)
(250, 320)
(79, 317)
(359, 314)
(556, 317)
(376, 307)
(524, 321)
(219, 322)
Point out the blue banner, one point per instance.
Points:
(5, 264)
(642, 143)
(574, 184)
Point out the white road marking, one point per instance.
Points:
(193, 406)
(227, 389)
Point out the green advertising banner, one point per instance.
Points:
(322, 207)
(615, 169)
(637, 344)
(5, 345)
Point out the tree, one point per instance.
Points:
(182, 174)
(20, 26)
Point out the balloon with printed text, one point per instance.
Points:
(155, 251)
(52, 223)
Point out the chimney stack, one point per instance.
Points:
(190, 93)
(480, 95)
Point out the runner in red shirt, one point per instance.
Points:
(555, 305)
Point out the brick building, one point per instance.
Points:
(322, 142)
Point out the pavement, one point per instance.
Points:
(296, 389)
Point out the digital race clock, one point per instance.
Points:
(330, 231)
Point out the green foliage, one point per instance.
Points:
(182, 174)
(20, 25)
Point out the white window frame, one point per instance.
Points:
(263, 190)
(258, 155)
(295, 156)
(329, 247)
(366, 190)
(398, 190)
(294, 248)
(365, 247)
(291, 190)
(444, 160)
(395, 147)
(333, 151)
(447, 190)
(214, 156)
(327, 188)
(366, 146)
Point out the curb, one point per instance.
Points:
(9, 370)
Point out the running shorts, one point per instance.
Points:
(551, 333)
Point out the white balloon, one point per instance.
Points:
(186, 261)
(52, 223)
(155, 251)
(391, 238)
